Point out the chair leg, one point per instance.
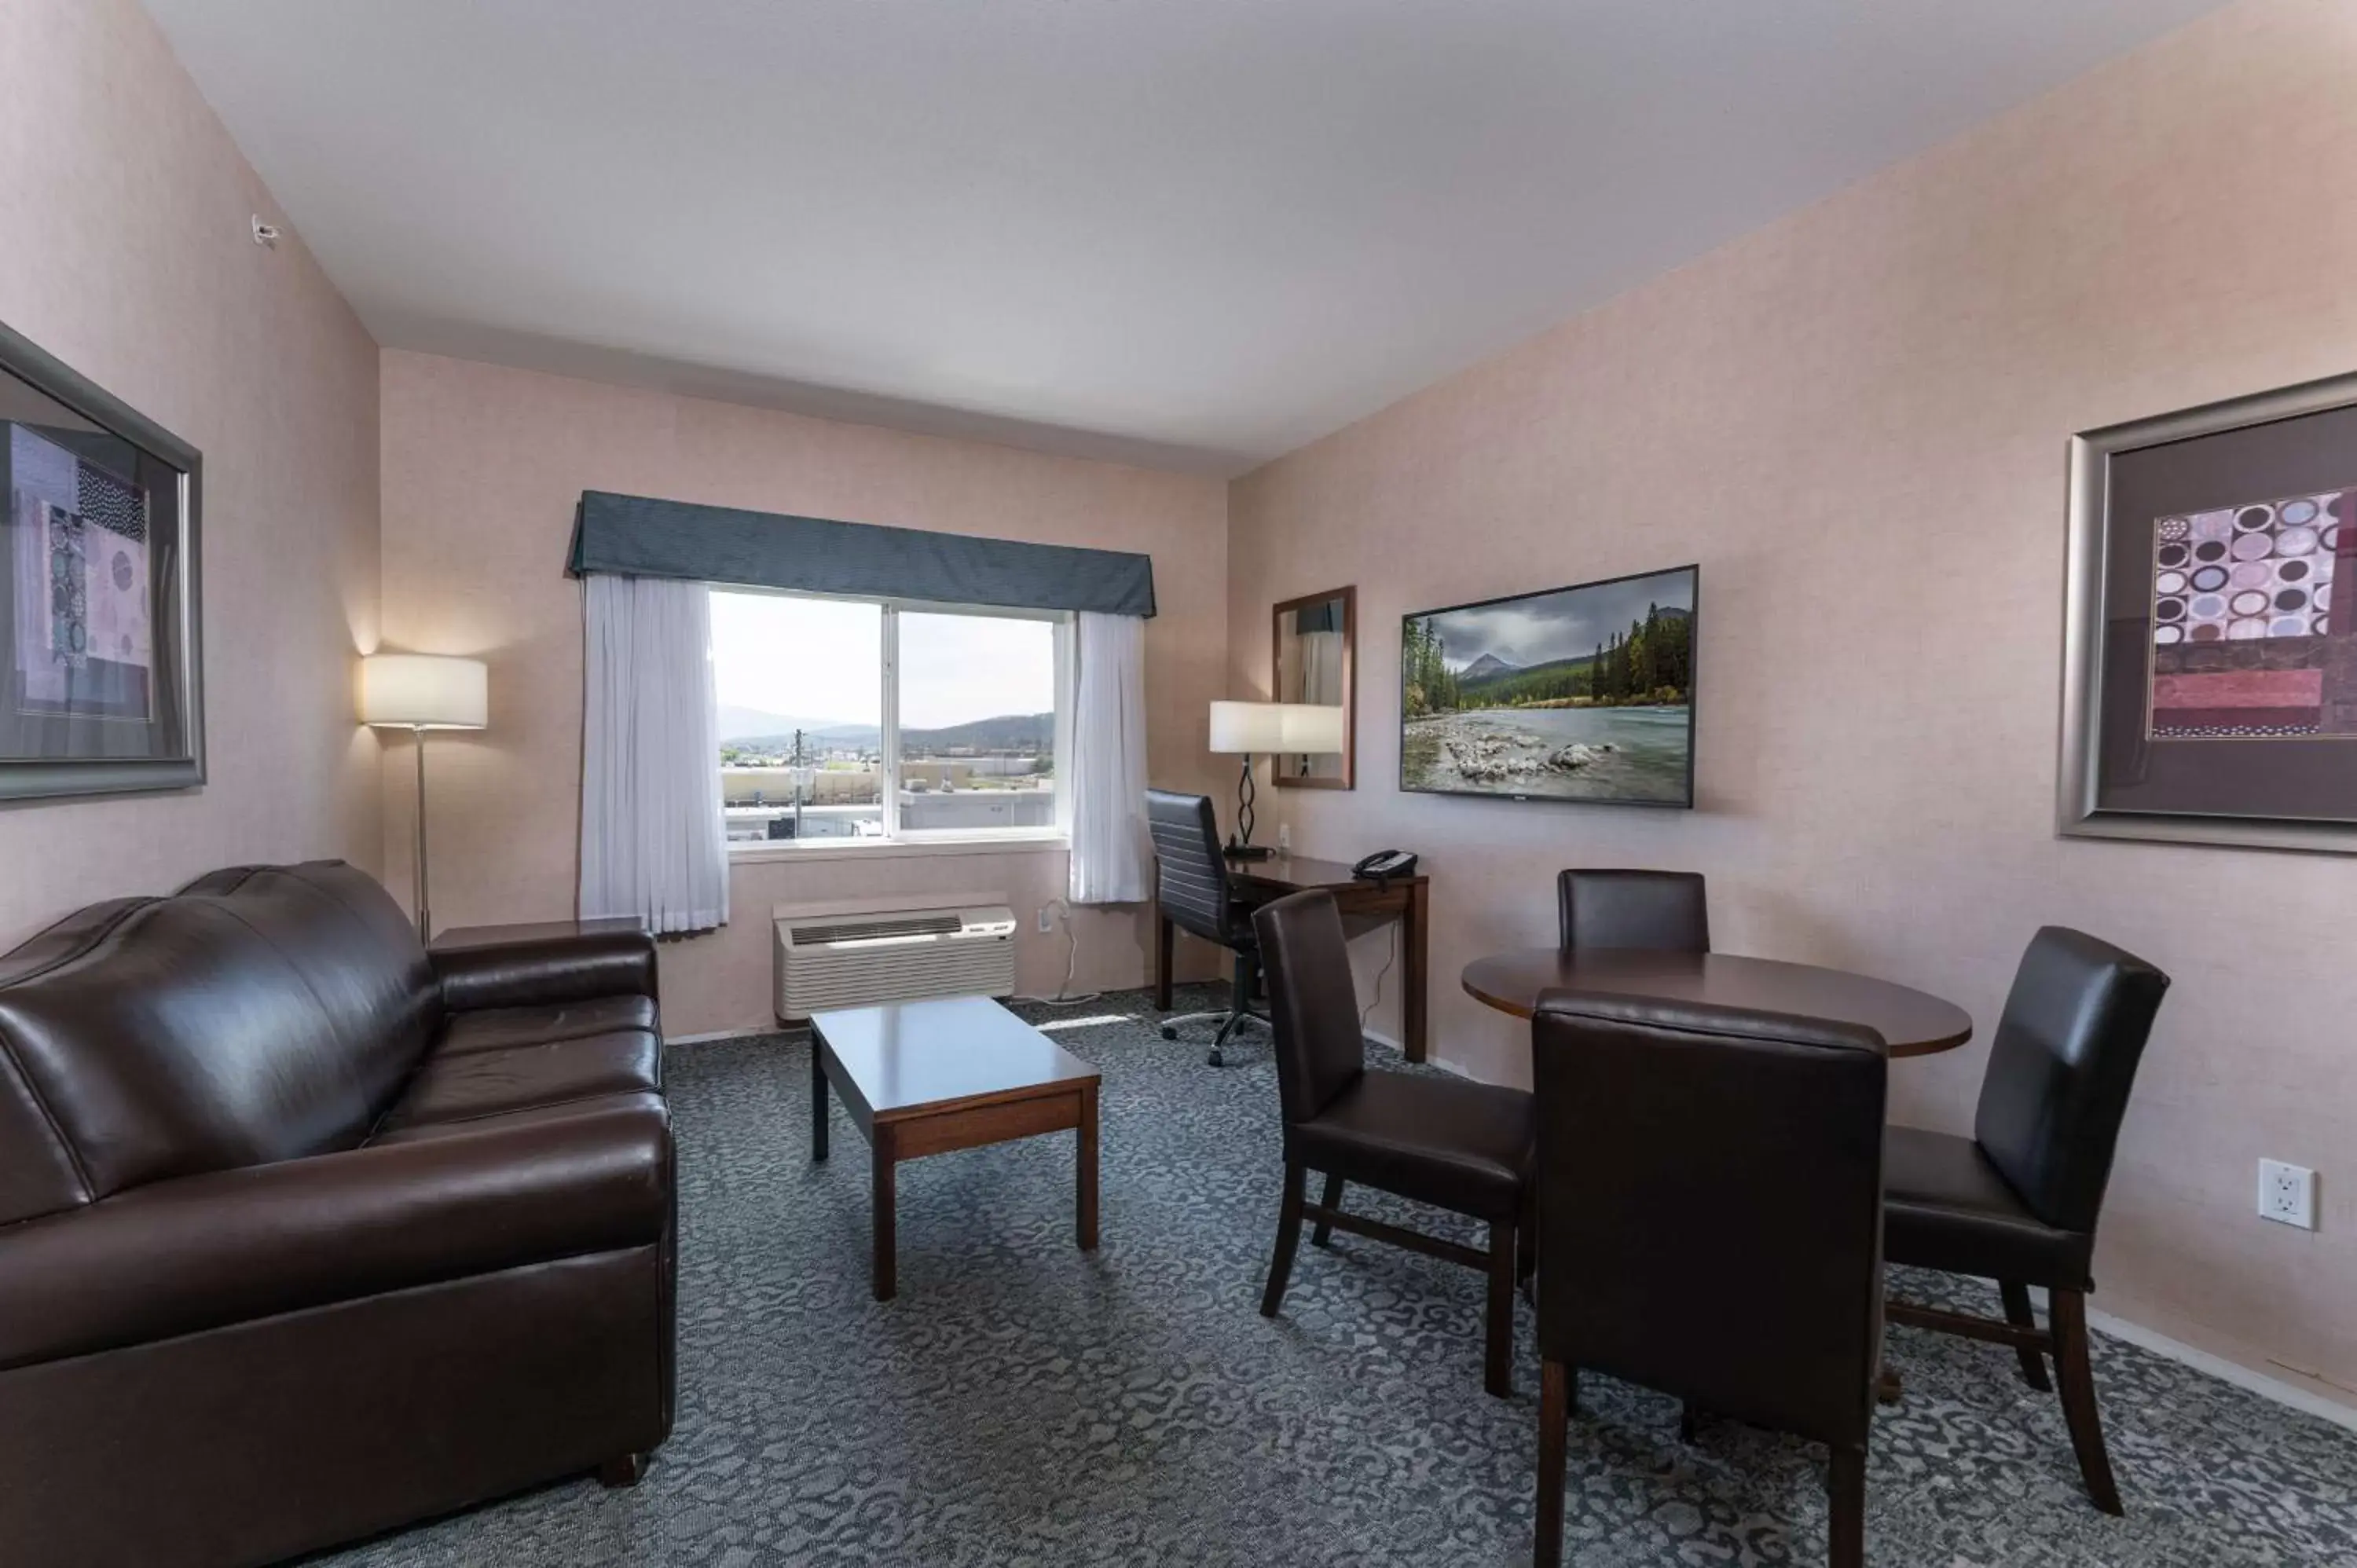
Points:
(1240, 990)
(1555, 1385)
(2067, 1309)
(622, 1470)
(1689, 1421)
(1324, 1234)
(1846, 1492)
(1288, 1238)
(2018, 1313)
(1498, 1377)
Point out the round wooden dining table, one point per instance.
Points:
(1912, 1022)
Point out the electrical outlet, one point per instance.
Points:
(1284, 835)
(1046, 919)
(2287, 1193)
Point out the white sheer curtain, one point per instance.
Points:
(1107, 767)
(652, 840)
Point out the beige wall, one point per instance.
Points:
(127, 254)
(482, 467)
(1856, 421)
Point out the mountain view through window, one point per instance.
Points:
(804, 756)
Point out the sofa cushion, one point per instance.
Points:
(461, 1086)
(356, 950)
(417, 1132)
(180, 1257)
(173, 1039)
(39, 1170)
(495, 1028)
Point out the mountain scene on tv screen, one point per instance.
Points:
(1583, 694)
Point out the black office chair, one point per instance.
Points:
(2018, 1201)
(1190, 880)
(1430, 1138)
(1633, 909)
(1710, 1225)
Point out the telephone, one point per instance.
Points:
(1384, 865)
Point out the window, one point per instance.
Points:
(854, 720)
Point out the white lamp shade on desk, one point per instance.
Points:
(423, 691)
(1242, 728)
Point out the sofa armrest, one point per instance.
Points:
(546, 971)
(178, 1257)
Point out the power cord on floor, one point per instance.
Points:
(1391, 955)
(1064, 997)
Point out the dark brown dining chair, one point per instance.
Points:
(1710, 1226)
(1447, 1142)
(1190, 884)
(2016, 1202)
(1633, 909)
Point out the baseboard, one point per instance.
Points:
(2286, 1394)
(704, 1039)
(1443, 1064)
(2306, 1400)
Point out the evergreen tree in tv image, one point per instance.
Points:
(1579, 693)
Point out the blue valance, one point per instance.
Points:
(635, 536)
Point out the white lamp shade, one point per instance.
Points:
(423, 691)
(1313, 728)
(1241, 728)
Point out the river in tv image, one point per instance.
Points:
(1629, 753)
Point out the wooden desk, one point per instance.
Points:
(955, 1072)
(1365, 906)
(1912, 1022)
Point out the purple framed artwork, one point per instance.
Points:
(2210, 632)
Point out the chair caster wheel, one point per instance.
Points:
(1168, 1033)
(1215, 1059)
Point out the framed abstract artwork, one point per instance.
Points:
(2210, 692)
(101, 691)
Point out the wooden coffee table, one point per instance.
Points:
(925, 1077)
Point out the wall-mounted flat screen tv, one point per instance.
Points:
(1579, 693)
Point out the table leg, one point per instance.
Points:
(1414, 923)
(818, 1096)
(884, 1270)
(1084, 1150)
(1162, 934)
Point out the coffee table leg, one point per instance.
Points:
(886, 1270)
(818, 1098)
(1085, 1169)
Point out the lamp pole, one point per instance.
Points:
(424, 914)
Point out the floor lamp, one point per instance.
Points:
(420, 691)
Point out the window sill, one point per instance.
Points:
(766, 854)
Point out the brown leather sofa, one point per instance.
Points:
(306, 1233)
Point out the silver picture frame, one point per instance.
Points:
(2086, 613)
(177, 678)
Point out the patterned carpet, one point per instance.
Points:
(1022, 1402)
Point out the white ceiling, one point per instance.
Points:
(1191, 232)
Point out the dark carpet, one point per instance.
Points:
(1022, 1403)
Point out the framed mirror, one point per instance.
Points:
(1315, 644)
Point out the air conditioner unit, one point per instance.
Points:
(857, 956)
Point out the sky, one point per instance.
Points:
(1565, 624)
(820, 660)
